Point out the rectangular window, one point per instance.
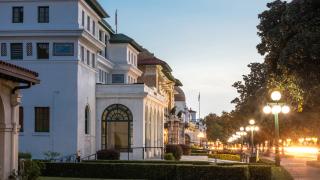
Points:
(82, 17)
(43, 50)
(82, 53)
(94, 28)
(63, 49)
(100, 75)
(117, 78)
(3, 49)
(88, 23)
(93, 60)
(88, 57)
(106, 40)
(17, 14)
(43, 14)
(100, 35)
(16, 51)
(29, 49)
(21, 118)
(42, 119)
(105, 78)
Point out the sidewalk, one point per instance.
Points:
(298, 168)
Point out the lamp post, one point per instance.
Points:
(275, 108)
(252, 128)
(200, 136)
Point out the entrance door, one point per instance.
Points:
(116, 128)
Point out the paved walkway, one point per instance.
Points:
(299, 170)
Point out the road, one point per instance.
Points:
(299, 170)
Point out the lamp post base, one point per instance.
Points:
(277, 159)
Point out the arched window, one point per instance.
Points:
(87, 120)
(116, 128)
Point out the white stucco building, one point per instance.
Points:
(89, 98)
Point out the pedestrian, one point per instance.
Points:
(78, 156)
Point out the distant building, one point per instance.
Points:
(12, 79)
(190, 127)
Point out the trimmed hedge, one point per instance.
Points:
(108, 154)
(147, 162)
(225, 157)
(145, 171)
(280, 173)
(212, 172)
(261, 172)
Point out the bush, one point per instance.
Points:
(261, 172)
(147, 162)
(30, 170)
(176, 150)
(169, 156)
(25, 155)
(50, 155)
(186, 150)
(146, 171)
(108, 154)
(212, 172)
(229, 157)
(280, 173)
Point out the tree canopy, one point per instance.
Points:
(290, 43)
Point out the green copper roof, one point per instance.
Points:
(121, 38)
(106, 26)
(95, 5)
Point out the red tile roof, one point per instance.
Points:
(17, 73)
(154, 61)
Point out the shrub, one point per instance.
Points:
(30, 170)
(280, 173)
(176, 150)
(24, 155)
(108, 154)
(147, 162)
(229, 157)
(168, 156)
(186, 150)
(50, 155)
(146, 171)
(261, 172)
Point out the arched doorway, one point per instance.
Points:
(187, 139)
(116, 127)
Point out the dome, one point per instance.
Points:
(179, 94)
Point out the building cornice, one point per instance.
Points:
(40, 33)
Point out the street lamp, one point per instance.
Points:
(252, 128)
(275, 108)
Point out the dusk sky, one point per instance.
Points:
(207, 43)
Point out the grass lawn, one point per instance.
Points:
(60, 178)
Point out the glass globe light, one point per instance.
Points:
(285, 109)
(247, 128)
(252, 122)
(256, 128)
(267, 109)
(275, 95)
(276, 109)
(241, 128)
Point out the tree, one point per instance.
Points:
(290, 41)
